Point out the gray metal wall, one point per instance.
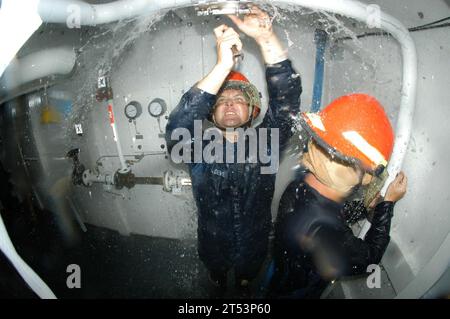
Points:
(421, 222)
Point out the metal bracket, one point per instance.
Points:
(175, 183)
(222, 7)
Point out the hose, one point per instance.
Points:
(428, 26)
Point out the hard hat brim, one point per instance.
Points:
(319, 137)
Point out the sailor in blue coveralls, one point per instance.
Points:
(234, 198)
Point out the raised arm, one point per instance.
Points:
(226, 38)
(196, 104)
(340, 253)
(258, 25)
(283, 82)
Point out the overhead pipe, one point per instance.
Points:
(94, 14)
(364, 13)
(24, 20)
(74, 11)
(38, 65)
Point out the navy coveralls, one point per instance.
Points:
(234, 199)
(314, 245)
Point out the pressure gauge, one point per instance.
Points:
(133, 110)
(157, 107)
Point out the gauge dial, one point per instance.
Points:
(133, 110)
(157, 107)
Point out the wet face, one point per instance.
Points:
(231, 109)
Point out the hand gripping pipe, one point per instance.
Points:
(365, 13)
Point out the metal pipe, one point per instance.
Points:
(63, 11)
(108, 179)
(320, 38)
(364, 13)
(90, 14)
(54, 61)
(88, 178)
(31, 278)
(123, 164)
(149, 180)
(24, 20)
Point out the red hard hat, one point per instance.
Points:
(236, 76)
(353, 127)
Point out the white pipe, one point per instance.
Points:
(30, 277)
(36, 66)
(112, 121)
(89, 14)
(17, 23)
(63, 11)
(69, 11)
(364, 13)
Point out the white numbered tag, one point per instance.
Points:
(101, 82)
(78, 129)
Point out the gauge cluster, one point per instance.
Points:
(156, 108)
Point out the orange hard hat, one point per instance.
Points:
(236, 80)
(354, 128)
(236, 76)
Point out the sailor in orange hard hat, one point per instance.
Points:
(351, 141)
(355, 128)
